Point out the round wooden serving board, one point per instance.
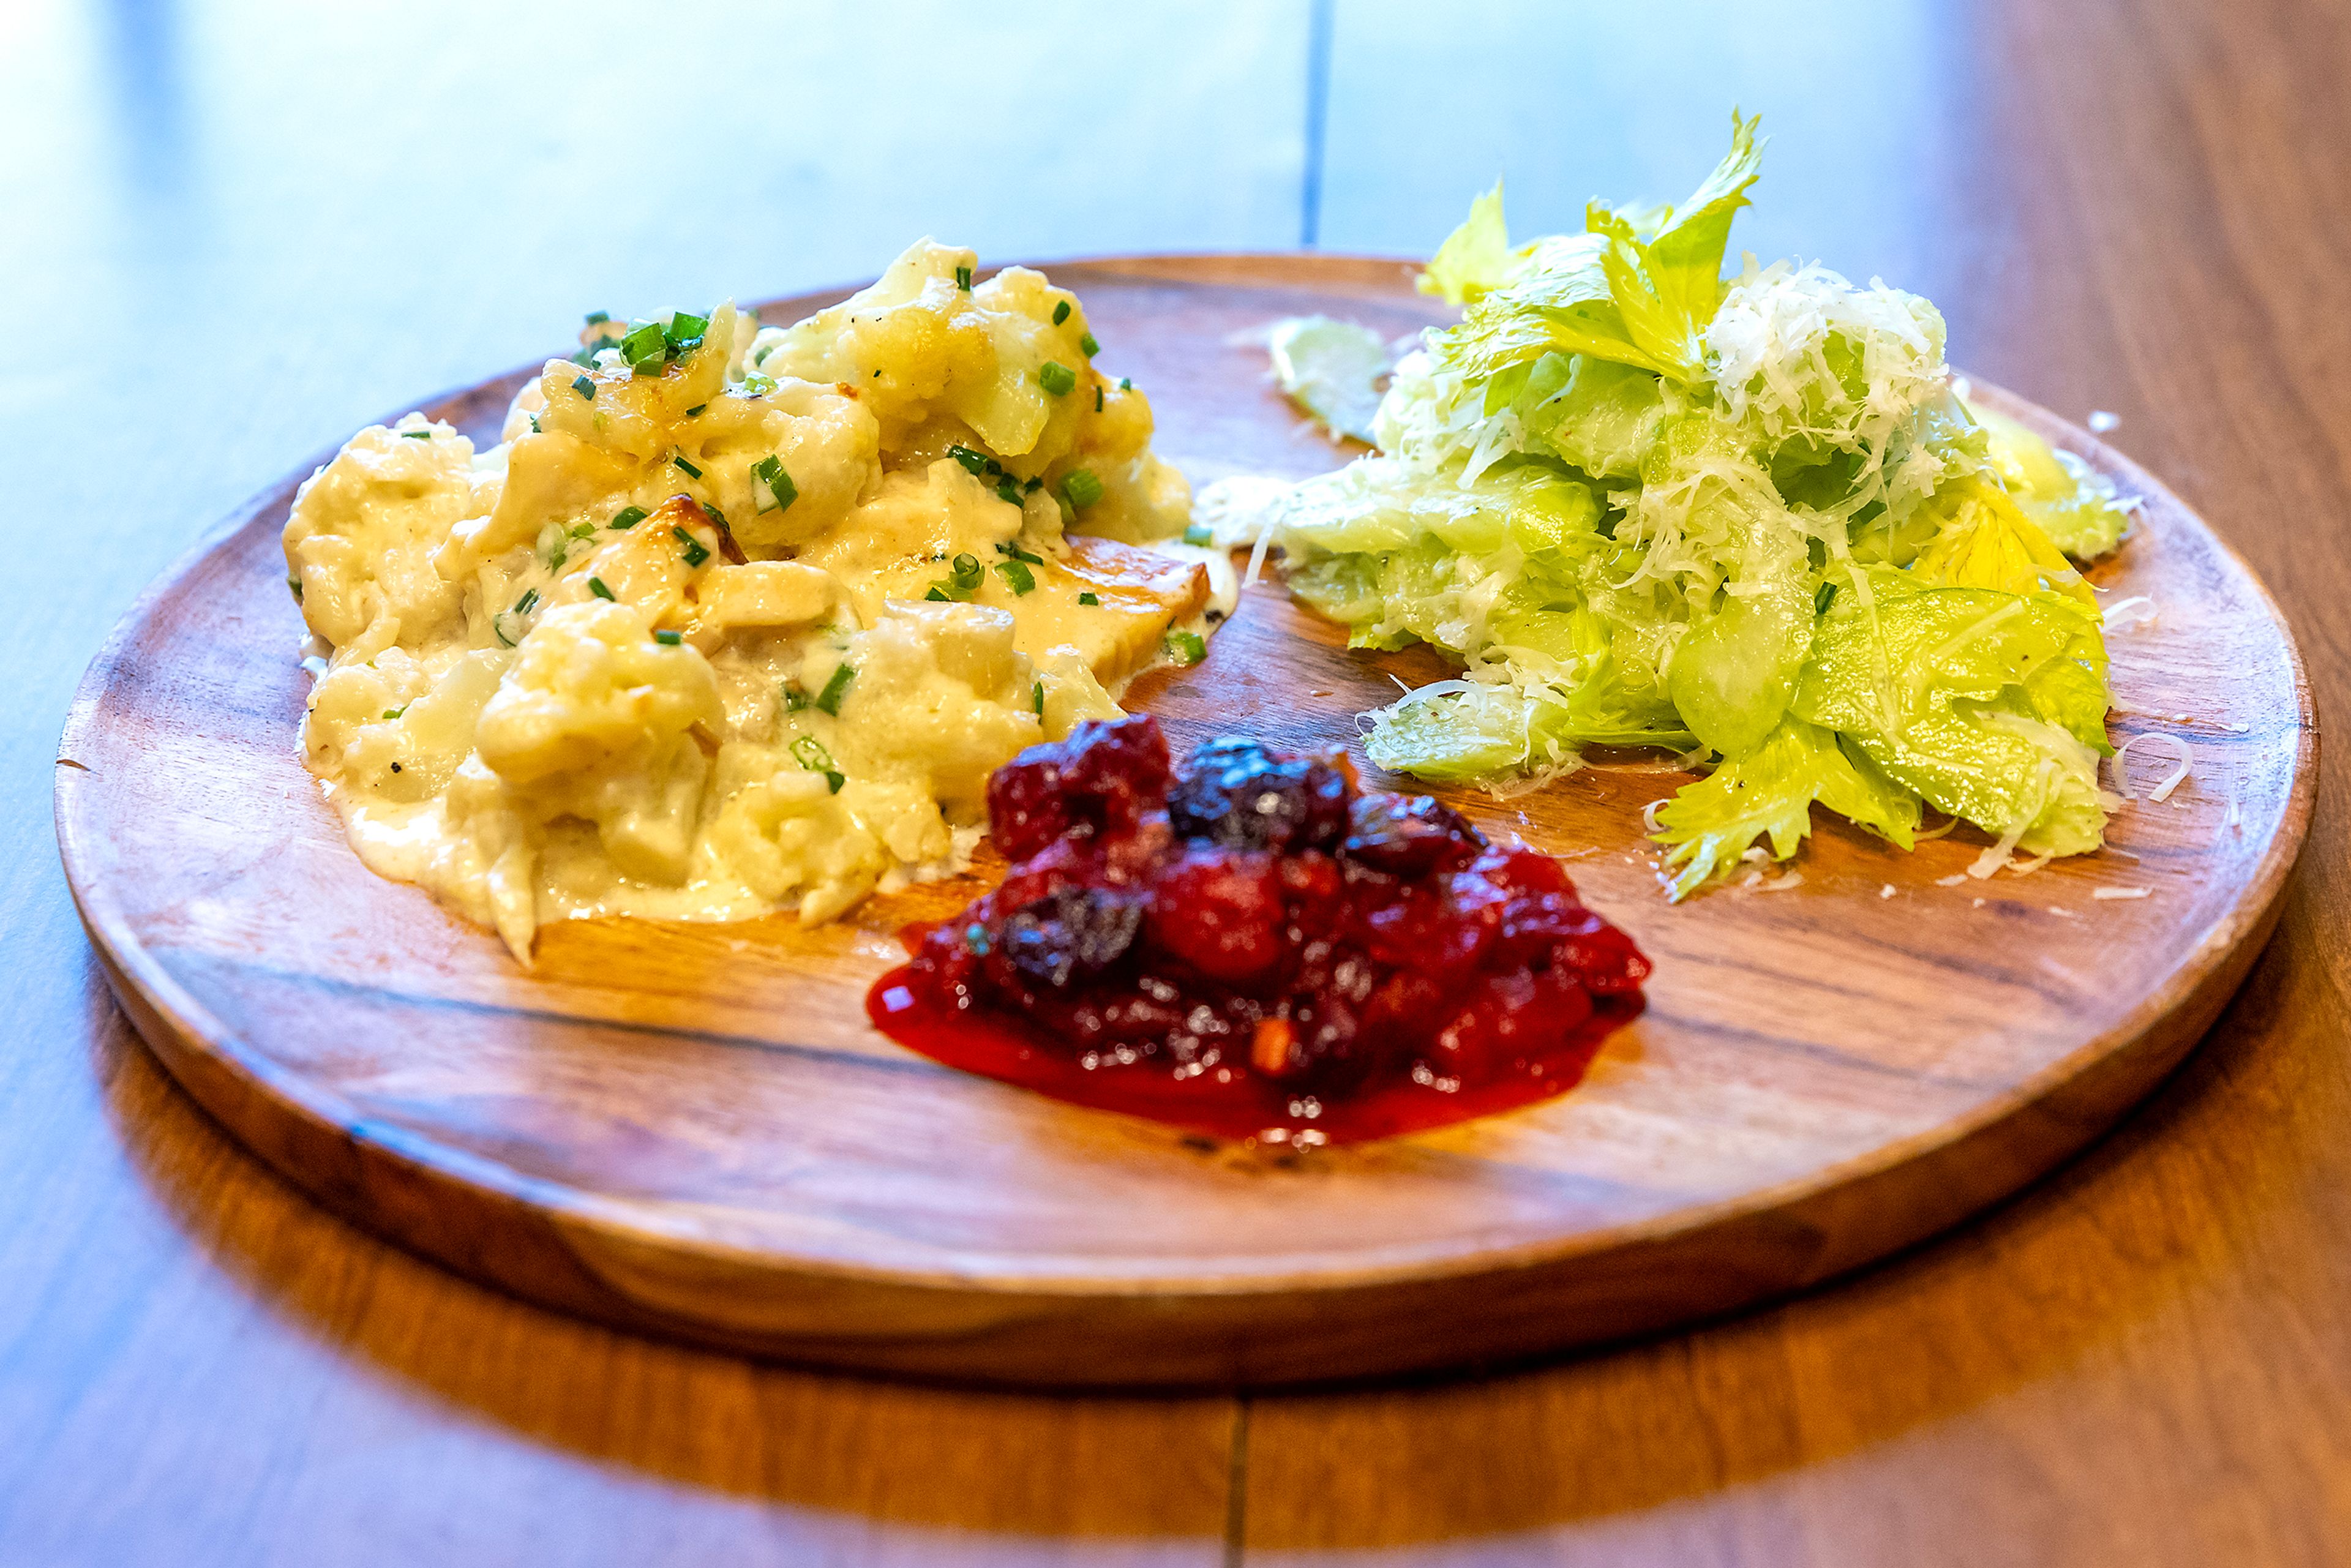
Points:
(691, 1129)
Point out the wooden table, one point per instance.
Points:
(228, 236)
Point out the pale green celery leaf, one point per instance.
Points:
(1466, 735)
(2074, 506)
(1667, 289)
(1733, 675)
(1559, 301)
(1475, 258)
(1330, 368)
(1684, 259)
(1946, 689)
(1769, 792)
(1605, 421)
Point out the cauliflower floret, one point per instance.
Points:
(359, 541)
(940, 693)
(592, 720)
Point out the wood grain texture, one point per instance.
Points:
(2143, 1358)
(691, 1129)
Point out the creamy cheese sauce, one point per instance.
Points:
(736, 618)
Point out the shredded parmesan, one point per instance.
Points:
(2112, 893)
(1649, 813)
(1952, 881)
(2068, 913)
(2163, 791)
(1886, 892)
(2124, 614)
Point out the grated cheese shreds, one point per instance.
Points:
(2162, 791)
(2117, 892)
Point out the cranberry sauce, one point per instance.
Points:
(1250, 947)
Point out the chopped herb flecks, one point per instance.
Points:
(1082, 487)
(1057, 378)
(1199, 533)
(669, 639)
(829, 699)
(629, 517)
(1187, 647)
(771, 488)
(584, 387)
(1060, 312)
(1086, 341)
(416, 434)
(809, 753)
(1090, 599)
(691, 471)
(596, 586)
(963, 278)
(1017, 576)
(697, 552)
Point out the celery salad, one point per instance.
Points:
(1753, 519)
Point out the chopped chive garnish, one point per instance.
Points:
(556, 557)
(1090, 599)
(596, 586)
(1082, 487)
(648, 345)
(936, 595)
(1086, 341)
(772, 488)
(1017, 575)
(691, 471)
(393, 713)
(795, 699)
(669, 639)
(685, 332)
(810, 754)
(416, 434)
(1098, 399)
(528, 602)
(1034, 485)
(1060, 312)
(584, 387)
(963, 278)
(534, 425)
(598, 318)
(628, 518)
(1199, 533)
(973, 463)
(584, 530)
(1125, 383)
(1008, 493)
(1017, 553)
(1057, 378)
(1187, 647)
(1824, 597)
(829, 699)
(296, 584)
(758, 385)
(697, 552)
(1037, 698)
(697, 408)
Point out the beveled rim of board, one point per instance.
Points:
(2073, 1099)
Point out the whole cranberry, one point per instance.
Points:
(1220, 912)
(1069, 936)
(1409, 835)
(1099, 782)
(1237, 795)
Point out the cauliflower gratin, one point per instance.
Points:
(734, 618)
